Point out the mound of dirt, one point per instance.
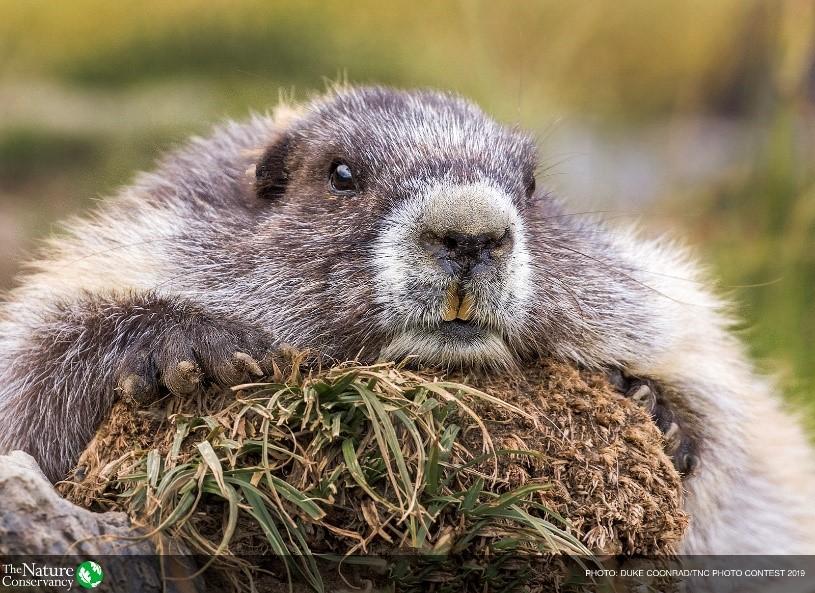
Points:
(603, 456)
(587, 455)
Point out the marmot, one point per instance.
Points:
(375, 223)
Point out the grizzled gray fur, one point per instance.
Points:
(372, 223)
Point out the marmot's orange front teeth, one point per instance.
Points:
(465, 311)
(451, 303)
(455, 308)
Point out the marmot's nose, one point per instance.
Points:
(462, 253)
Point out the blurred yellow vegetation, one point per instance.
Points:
(633, 57)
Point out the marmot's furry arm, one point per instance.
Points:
(69, 372)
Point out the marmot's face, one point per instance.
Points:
(412, 203)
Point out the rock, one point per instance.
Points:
(38, 525)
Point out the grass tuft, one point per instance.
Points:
(360, 465)
(370, 456)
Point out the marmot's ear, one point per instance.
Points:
(271, 175)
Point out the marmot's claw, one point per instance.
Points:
(188, 357)
(672, 434)
(678, 444)
(136, 389)
(239, 367)
(642, 394)
(688, 464)
(182, 378)
(136, 383)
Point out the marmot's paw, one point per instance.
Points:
(186, 357)
(678, 443)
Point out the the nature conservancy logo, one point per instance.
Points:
(45, 577)
(89, 574)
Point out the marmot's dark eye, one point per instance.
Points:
(530, 186)
(342, 179)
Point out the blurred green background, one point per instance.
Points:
(695, 117)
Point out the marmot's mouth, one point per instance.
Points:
(459, 328)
